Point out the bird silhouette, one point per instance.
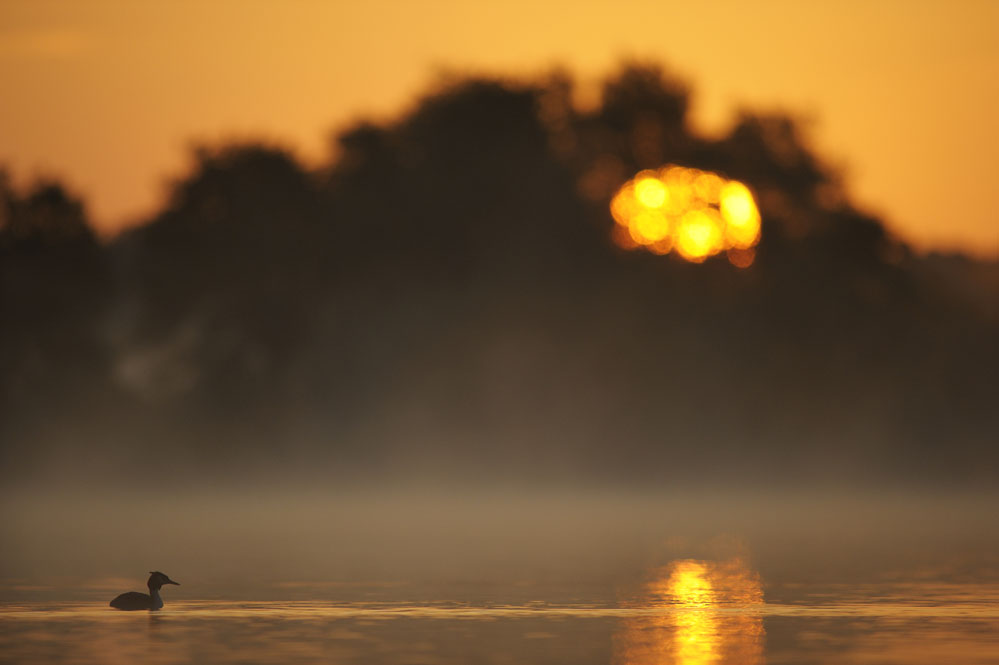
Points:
(133, 600)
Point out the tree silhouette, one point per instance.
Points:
(54, 290)
(442, 296)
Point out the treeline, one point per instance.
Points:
(442, 300)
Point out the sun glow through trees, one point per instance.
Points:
(697, 213)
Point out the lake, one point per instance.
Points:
(687, 612)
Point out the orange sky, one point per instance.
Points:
(108, 94)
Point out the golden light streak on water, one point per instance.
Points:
(696, 638)
(698, 213)
(708, 612)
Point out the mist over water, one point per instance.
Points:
(285, 543)
(690, 578)
(452, 575)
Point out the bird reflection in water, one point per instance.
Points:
(703, 612)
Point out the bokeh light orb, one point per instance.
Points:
(696, 213)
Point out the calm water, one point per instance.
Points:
(689, 613)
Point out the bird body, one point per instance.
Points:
(133, 600)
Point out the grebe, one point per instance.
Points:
(133, 600)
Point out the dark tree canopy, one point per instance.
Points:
(443, 297)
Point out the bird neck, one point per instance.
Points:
(154, 593)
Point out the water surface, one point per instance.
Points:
(689, 613)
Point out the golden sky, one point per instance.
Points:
(904, 94)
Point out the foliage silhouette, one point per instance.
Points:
(442, 298)
(54, 292)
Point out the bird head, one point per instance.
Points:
(158, 579)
